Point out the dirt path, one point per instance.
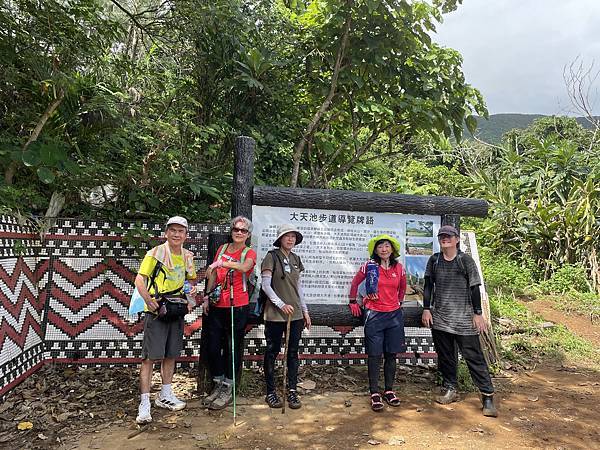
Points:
(553, 408)
(578, 324)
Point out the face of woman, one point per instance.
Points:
(239, 232)
(288, 240)
(384, 250)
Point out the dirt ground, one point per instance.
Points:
(548, 407)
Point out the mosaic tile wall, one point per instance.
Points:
(23, 280)
(65, 300)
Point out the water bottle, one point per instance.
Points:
(187, 288)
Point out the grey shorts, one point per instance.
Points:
(162, 339)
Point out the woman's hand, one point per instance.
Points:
(355, 308)
(307, 322)
(287, 309)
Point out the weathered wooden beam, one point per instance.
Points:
(368, 201)
(339, 315)
(243, 177)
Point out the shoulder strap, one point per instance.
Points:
(275, 259)
(154, 275)
(222, 250)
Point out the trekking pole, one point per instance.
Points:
(285, 352)
(232, 343)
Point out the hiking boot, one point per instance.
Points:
(273, 400)
(143, 416)
(293, 399)
(214, 394)
(448, 396)
(224, 397)
(169, 402)
(489, 410)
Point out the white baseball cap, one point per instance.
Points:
(177, 220)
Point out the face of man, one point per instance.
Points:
(448, 241)
(176, 235)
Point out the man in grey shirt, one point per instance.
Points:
(452, 309)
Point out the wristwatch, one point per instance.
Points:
(477, 312)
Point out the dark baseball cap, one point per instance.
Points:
(449, 230)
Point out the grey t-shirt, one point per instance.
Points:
(452, 309)
(286, 288)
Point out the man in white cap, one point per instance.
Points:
(160, 282)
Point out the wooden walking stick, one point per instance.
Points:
(285, 352)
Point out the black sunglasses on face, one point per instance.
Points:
(239, 230)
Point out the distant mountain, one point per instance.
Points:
(493, 129)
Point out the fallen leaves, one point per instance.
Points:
(24, 426)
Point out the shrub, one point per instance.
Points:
(502, 273)
(568, 278)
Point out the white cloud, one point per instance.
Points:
(515, 50)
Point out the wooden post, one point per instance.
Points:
(243, 177)
(204, 381)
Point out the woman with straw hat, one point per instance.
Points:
(385, 284)
(280, 273)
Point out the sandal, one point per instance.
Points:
(376, 403)
(273, 400)
(391, 399)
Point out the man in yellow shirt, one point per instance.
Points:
(164, 270)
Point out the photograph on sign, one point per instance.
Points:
(335, 245)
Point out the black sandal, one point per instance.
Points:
(391, 399)
(376, 402)
(273, 400)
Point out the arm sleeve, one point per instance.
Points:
(266, 286)
(476, 298)
(358, 278)
(427, 291)
(303, 304)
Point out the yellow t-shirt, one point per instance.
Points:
(166, 280)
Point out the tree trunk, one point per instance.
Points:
(12, 168)
(299, 147)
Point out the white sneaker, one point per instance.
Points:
(143, 416)
(169, 402)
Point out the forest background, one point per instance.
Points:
(128, 109)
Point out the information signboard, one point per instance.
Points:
(335, 245)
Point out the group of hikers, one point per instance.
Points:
(167, 279)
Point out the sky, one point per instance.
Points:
(515, 51)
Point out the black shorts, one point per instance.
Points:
(162, 339)
(384, 332)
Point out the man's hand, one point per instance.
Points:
(287, 309)
(307, 322)
(479, 323)
(426, 318)
(151, 303)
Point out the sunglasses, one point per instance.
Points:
(239, 230)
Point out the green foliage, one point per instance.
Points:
(545, 196)
(568, 278)
(502, 273)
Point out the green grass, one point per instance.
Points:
(524, 341)
(583, 303)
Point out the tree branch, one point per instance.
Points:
(301, 144)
